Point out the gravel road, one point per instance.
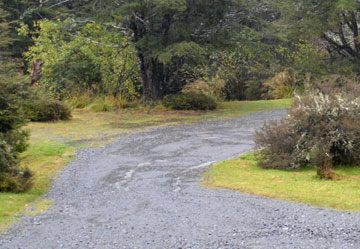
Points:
(144, 191)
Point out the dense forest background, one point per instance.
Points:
(148, 49)
(61, 54)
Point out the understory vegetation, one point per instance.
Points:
(190, 101)
(13, 141)
(322, 129)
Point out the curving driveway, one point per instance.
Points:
(144, 191)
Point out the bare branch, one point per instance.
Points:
(339, 47)
(138, 18)
(59, 3)
(42, 3)
(121, 29)
(100, 43)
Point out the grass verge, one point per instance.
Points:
(53, 144)
(302, 186)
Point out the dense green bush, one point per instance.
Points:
(13, 140)
(42, 109)
(12, 177)
(322, 129)
(190, 101)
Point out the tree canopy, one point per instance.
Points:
(335, 22)
(171, 32)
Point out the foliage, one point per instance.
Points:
(79, 101)
(14, 10)
(175, 44)
(12, 138)
(101, 105)
(282, 85)
(190, 101)
(244, 68)
(171, 34)
(253, 69)
(213, 87)
(30, 11)
(332, 24)
(89, 58)
(120, 102)
(12, 177)
(304, 57)
(45, 109)
(321, 128)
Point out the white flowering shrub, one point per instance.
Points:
(322, 129)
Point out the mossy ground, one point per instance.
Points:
(54, 144)
(301, 186)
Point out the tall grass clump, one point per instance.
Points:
(282, 85)
(79, 101)
(101, 104)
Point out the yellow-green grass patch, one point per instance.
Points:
(45, 159)
(301, 186)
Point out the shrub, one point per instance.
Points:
(43, 110)
(277, 143)
(13, 140)
(322, 128)
(120, 102)
(214, 87)
(101, 105)
(12, 177)
(190, 101)
(197, 86)
(282, 85)
(79, 101)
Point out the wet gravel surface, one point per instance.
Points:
(144, 191)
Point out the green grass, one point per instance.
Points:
(45, 159)
(302, 186)
(53, 144)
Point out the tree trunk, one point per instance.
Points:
(36, 71)
(152, 77)
(324, 171)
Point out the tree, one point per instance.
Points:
(16, 14)
(81, 58)
(168, 35)
(30, 11)
(166, 32)
(12, 138)
(334, 22)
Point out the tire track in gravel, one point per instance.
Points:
(144, 191)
